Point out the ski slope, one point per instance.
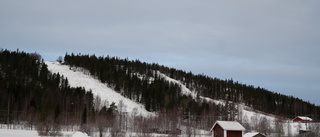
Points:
(79, 79)
(187, 91)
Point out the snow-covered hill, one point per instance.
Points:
(79, 79)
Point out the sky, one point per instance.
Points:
(268, 43)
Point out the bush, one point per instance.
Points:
(46, 129)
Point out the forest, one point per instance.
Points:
(32, 96)
(30, 93)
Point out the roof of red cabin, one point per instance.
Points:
(303, 118)
(229, 125)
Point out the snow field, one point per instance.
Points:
(34, 133)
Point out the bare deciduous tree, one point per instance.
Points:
(97, 103)
(246, 124)
(264, 126)
(278, 127)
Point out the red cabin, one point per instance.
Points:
(227, 129)
(302, 119)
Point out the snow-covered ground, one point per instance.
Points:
(18, 133)
(34, 133)
(79, 79)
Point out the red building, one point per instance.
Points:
(302, 119)
(227, 129)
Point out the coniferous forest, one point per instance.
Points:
(29, 92)
(31, 95)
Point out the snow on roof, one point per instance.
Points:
(251, 134)
(229, 125)
(304, 118)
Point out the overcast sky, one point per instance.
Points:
(268, 43)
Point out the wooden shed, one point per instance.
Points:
(302, 119)
(227, 129)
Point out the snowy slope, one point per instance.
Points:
(187, 91)
(79, 79)
(18, 133)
